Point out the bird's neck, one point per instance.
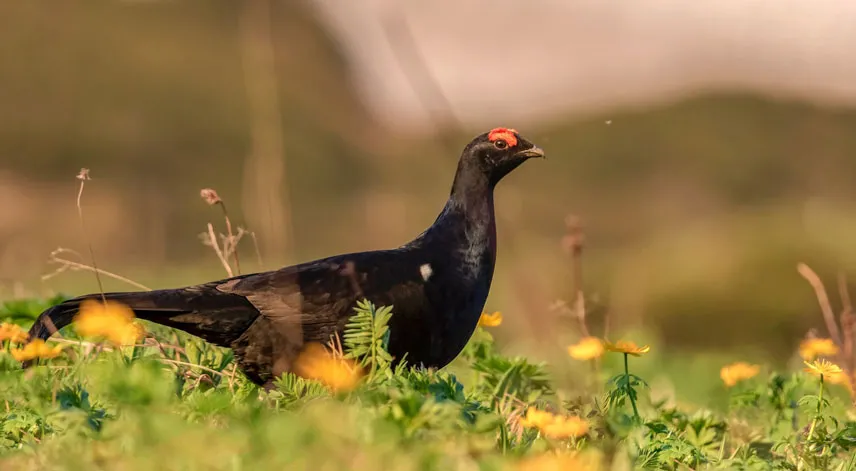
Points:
(472, 196)
(467, 224)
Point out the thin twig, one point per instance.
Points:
(848, 326)
(88, 344)
(234, 243)
(159, 345)
(846, 318)
(192, 365)
(216, 246)
(335, 345)
(66, 264)
(256, 245)
(823, 300)
(83, 176)
(846, 304)
(573, 242)
(232, 377)
(580, 312)
(92, 345)
(230, 243)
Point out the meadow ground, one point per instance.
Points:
(169, 401)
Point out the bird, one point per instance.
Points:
(436, 285)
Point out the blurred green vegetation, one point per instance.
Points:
(179, 405)
(696, 212)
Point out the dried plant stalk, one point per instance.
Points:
(573, 243)
(845, 357)
(216, 246)
(83, 176)
(823, 300)
(66, 264)
(210, 196)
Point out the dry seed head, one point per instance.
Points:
(210, 196)
(83, 174)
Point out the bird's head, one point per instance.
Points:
(498, 152)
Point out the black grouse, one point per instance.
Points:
(437, 284)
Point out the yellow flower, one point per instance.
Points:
(560, 462)
(736, 372)
(35, 349)
(842, 379)
(536, 418)
(315, 362)
(13, 333)
(839, 378)
(113, 321)
(813, 348)
(566, 427)
(553, 425)
(490, 320)
(587, 349)
(822, 367)
(626, 346)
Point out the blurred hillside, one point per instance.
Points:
(696, 211)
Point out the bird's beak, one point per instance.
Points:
(534, 151)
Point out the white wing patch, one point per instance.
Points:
(426, 271)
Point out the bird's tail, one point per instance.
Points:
(56, 317)
(215, 316)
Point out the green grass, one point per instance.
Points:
(183, 407)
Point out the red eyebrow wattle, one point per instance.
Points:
(506, 134)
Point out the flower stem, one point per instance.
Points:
(813, 423)
(817, 413)
(629, 388)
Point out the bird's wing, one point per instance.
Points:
(318, 297)
(312, 302)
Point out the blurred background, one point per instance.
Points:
(706, 148)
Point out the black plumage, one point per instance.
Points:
(437, 284)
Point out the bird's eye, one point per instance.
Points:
(500, 144)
